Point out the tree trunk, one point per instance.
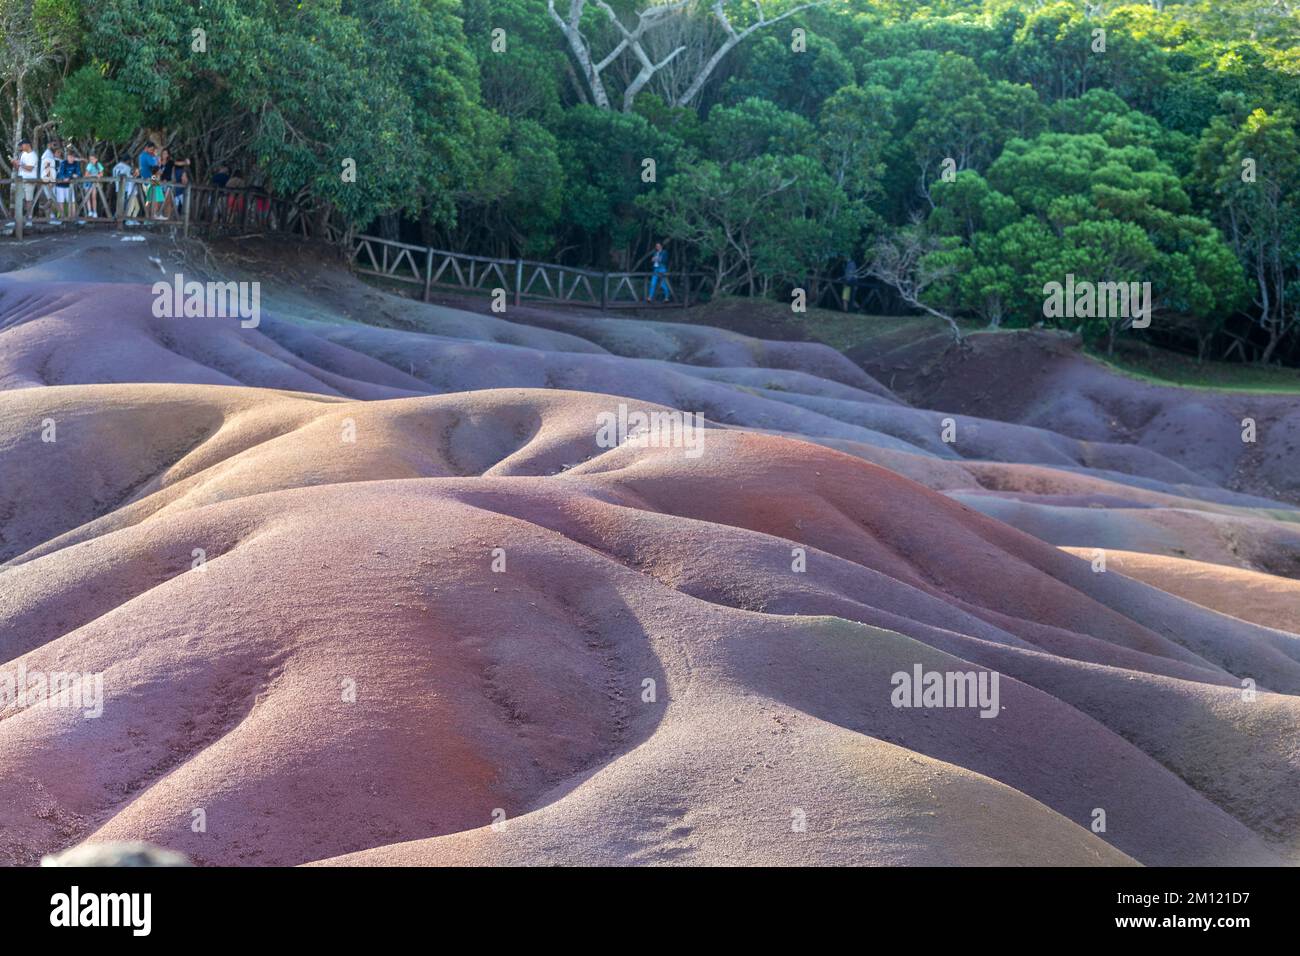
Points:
(1274, 338)
(20, 84)
(697, 84)
(578, 46)
(389, 227)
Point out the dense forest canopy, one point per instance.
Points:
(963, 153)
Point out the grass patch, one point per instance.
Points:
(771, 319)
(1156, 366)
(846, 330)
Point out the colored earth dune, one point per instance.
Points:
(364, 588)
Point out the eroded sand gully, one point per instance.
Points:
(357, 593)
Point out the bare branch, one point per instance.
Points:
(581, 50)
(734, 38)
(900, 262)
(651, 22)
(648, 70)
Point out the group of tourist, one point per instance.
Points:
(54, 179)
(165, 179)
(65, 187)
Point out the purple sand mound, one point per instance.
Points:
(386, 593)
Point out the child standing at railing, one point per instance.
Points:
(181, 177)
(155, 197)
(94, 170)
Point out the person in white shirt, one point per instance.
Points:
(49, 173)
(27, 172)
(58, 189)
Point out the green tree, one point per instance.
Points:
(799, 82)
(1100, 253)
(36, 36)
(1073, 204)
(91, 106)
(605, 157)
(853, 137)
(387, 84)
(1253, 163)
(759, 222)
(754, 127)
(521, 69)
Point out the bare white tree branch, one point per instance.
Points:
(899, 261)
(634, 39)
(733, 38)
(582, 50)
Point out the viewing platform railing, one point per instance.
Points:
(134, 202)
(518, 278)
(125, 201)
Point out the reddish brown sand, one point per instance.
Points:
(649, 679)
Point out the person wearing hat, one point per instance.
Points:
(25, 165)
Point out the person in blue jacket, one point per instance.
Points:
(65, 188)
(659, 273)
(148, 164)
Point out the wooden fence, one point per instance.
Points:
(125, 201)
(518, 278)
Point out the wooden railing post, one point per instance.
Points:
(558, 283)
(212, 205)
